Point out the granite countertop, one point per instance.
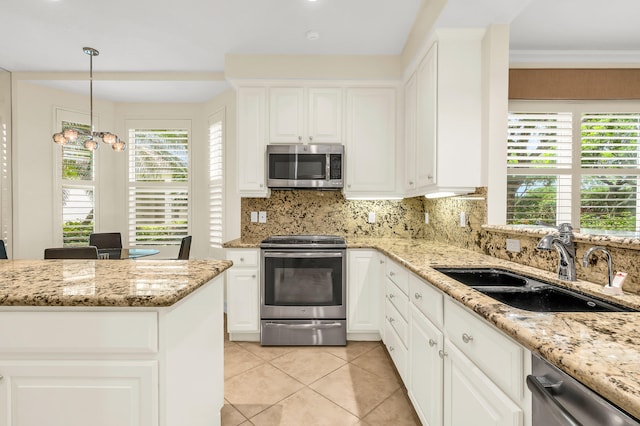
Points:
(112, 283)
(599, 349)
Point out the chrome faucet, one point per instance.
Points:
(563, 243)
(585, 260)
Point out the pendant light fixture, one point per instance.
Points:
(72, 135)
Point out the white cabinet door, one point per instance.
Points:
(471, 398)
(370, 142)
(243, 300)
(410, 136)
(252, 139)
(286, 115)
(426, 373)
(79, 393)
(427, 102)
(325, 115)
(364, 276)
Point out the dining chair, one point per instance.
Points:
(185, 248)
(3, 250)
(90, 252)
(105, 240)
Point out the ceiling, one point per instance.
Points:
(193, 36)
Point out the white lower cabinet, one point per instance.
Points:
(243, 295)
(364, 276)
(471, 398)
(79, 393)
(460, 370)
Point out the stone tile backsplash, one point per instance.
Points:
(328, 212)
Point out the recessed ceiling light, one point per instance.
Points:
(312, 35)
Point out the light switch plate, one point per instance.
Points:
(513, 245)
(426, 218)
(262, 217)
(254, 217)
(463, 220)
(372, 217)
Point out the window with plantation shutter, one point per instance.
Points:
(158, 183)
(78, 188)
(574, 162)
(216, 173)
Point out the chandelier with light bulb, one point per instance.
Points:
(72, 135)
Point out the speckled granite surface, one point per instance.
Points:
(114, 283)
(599, 349)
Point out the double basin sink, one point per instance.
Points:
(528, 293)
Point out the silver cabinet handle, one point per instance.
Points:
(253, 276)
(391, 320)
(391, 273)
(242, 259)
(299, 138)
(466, 338)
(391, 349)
(432, 342)
(442, 353)
(1, 377)
(310, 138)
(417, 296)
(391, 296)
(381, 261)
(411, 182)
(261, 185)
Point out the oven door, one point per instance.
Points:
(297, 284)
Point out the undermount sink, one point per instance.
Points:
(527, 293)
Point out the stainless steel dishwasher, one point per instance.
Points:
(560, 400)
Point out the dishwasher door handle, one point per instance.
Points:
(541, 391)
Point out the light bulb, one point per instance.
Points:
(91, 144)
(119, 145)
(109, 138)
(70, 134)
(60, 139)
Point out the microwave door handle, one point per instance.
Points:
(557, 410)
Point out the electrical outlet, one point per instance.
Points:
(254, 217)
(262, 217)
(426, 218)
(513, 245)
(372, 217)
(463, 220)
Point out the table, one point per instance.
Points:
(126, 253)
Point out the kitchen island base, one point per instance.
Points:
(100, 366)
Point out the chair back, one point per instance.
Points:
(106, 240)
(185, 248)
(90, 252)
(3, 250)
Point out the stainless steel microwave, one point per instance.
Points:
(297, 166)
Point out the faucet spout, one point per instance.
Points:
(563, 243)
(585, 260)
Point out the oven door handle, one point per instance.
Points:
(539, 386)
(310, 254)
(323, 325)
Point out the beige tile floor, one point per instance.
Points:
(320, 385)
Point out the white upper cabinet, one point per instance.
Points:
(446, 153)
(252, 139)
(305, 115)
(371, 142)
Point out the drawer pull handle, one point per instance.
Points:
(391, 349)
(417, 296)
(242, 259)
(466, 338)
(391, 296)
(391, 274)
(391, 320)
(442, 353)
(1, 377)
(432, 342)
(253, 276)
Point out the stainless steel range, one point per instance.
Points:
(303, 290)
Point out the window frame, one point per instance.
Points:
(160, 124)
(219, 116)
(576, 171)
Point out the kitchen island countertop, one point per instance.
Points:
(602, 350)
(112, 283)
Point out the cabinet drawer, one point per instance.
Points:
(500, 358)
(399, 324)
(243, 257)
(397, 351)
(79, 332)
(399, 275)
(398, 298)
(428, 299)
